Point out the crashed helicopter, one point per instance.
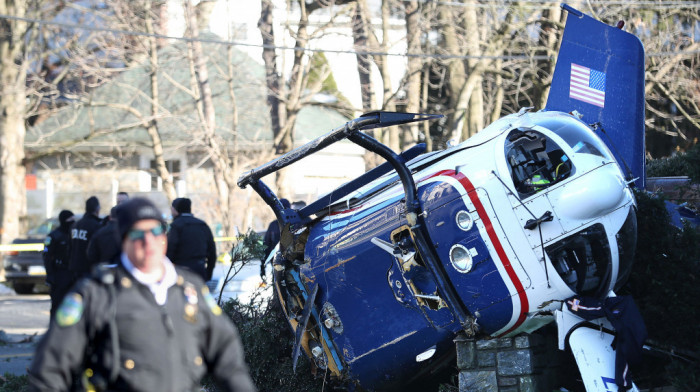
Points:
(488, 237)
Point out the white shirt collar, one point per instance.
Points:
(159, 288)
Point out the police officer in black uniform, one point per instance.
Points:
(105, 245)
(56, 255)
(190, 241)
(144, 325)
(271, 238)
(81, 232)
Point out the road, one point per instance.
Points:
(23, 319)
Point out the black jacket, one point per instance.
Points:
(272, 237)
(191, 244)
(134, 344)
(81, 233)
(56, 252)
(105, 245)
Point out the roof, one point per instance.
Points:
(178, 121)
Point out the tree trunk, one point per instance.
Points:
(13, 95)
(361, 43)
(152, 126)
(223, 176)
(276, 92)
(549, 41)
(414, 66)
(272, 78)
(424, 99)
(498, 96)
(456, 71)
(475, 108)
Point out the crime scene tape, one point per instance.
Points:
(36, 247)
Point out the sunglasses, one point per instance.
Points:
(140, 235)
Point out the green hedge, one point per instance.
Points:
(11, 383)
(665, 283)
(681, 164)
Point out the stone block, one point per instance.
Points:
(478, 381)
(528, 384)
(507, 381)
(486, 359)
(466, 352)
(487, 344)
(505, 343)
(522, 341)
(514, 363)
(508, 389)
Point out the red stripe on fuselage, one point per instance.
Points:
(471, 192)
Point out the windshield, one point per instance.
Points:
(584, 261)
(577, 135)
(535, 161)
(44, 229)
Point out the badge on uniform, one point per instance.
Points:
(191, 305)
(70, 311)
(211, 302)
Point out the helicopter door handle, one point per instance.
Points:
(533, 223)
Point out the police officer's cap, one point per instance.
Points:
(65, 217)
(182, 205)
(134, 210)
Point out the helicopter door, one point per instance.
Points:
(474, 251)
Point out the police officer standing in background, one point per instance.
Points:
(105, 246)
(144, 325)
(122, 197)
(81, 233)
(190, 241)
(56, 256)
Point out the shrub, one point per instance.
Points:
(665, 284)
(682, 164)
(268, 343)
(12, 383)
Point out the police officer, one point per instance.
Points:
(105, 245)
(190, 241)
(272, 237)
(81, 233)
(56, 255)
(122, 197)
(144, 325)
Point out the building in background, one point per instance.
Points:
(103, 149)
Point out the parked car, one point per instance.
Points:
(24, 266)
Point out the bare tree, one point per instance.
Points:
(366, 40)
(224, 174)
(288, 95)
(13, 94)
(414, 65)
(152, 124)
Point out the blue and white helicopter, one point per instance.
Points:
(487, 238)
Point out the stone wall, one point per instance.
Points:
(525, 363)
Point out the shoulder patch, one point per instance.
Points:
(70, 311)
(47, 241)
(211, 302)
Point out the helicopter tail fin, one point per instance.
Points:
(600, 75)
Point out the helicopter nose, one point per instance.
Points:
(591, 195)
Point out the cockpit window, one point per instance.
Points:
(577, 135)
(584, 261)
(535, 161)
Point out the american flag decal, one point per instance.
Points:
(587, 85)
